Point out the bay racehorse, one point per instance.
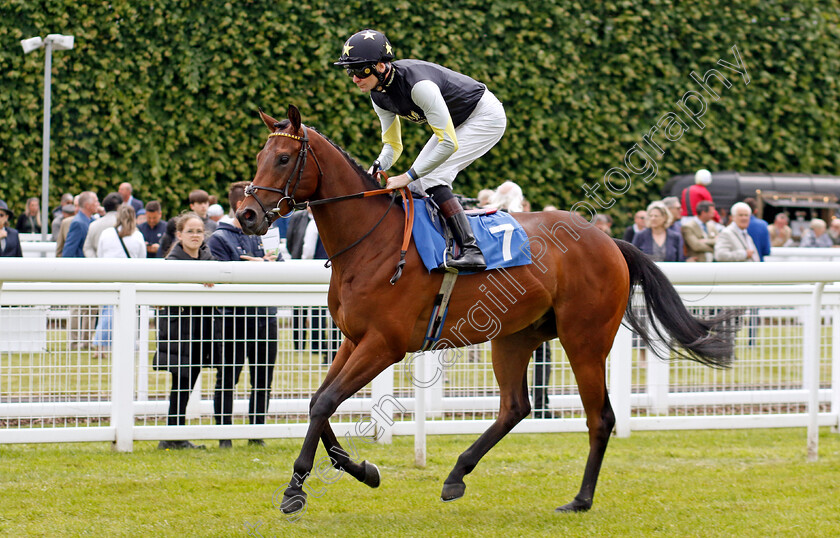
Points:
(577, 289)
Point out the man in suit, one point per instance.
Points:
(82, 318)
(698, 236)
(638, 225)
(110, 203)
(9, 238)
(125, 189)
(79, 226)
(734, 243)
(758, 230)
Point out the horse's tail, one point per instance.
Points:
(707, 341)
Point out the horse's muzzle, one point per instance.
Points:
(251, 222)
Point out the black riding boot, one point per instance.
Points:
(470, 258)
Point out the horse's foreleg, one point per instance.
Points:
(355, 371)
(510, 365)
(363, 471)
(340, 458)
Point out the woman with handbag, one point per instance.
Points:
(188, 336)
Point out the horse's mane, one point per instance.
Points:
(369, 180)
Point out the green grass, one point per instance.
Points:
(710, 483)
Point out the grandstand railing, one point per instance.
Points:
(786, 373)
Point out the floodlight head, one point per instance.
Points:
(33, 43)
(60, 42)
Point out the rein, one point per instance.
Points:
(300, 164)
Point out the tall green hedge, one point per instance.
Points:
(165, 94)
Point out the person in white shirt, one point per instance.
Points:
(734, 244)
(125, 232)
(110, 203)
(123, 240)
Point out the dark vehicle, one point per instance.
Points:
(801, 195)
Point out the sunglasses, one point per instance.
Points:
(361, 71)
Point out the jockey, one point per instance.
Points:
(466, 119)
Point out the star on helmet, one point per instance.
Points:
(388, 48)
(347, 48)
(369, 35)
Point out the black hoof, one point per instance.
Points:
(294, 503)
(371, 475)
(452, 492)
(575, 506)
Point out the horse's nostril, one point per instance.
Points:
(246, 217)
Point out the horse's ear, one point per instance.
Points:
(268, 121)
(294, 117)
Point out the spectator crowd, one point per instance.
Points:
(688, 228)
(188, 338)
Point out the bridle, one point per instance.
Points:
(300, 165)
(289, 189)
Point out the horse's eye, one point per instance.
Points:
(283, 159)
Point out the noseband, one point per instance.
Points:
(289, 189)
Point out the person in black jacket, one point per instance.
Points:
(168, 238)
(9, 238)
(303, 242)
(639, 224)
(29, 221)
(188, 336)
(247, 332)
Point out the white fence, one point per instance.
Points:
(33, 247)
(796, 254)
(787, 371)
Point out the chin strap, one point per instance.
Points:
(389, 69)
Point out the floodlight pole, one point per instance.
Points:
(45, 161)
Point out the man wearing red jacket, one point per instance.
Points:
(693, 195)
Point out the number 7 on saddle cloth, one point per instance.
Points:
(501, 238)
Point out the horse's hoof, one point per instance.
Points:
(452, 492)
(372, 478)
(293, 504)
(575, 506)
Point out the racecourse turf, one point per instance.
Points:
(684, 483)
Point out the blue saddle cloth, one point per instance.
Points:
(501, 238)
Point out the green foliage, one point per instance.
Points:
(164, 94)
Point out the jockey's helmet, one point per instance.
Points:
(367, 47)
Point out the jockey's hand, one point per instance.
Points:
(397, 182)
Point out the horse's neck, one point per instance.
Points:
(340, 224)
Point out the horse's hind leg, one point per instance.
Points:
(587, 351)
(510, 365)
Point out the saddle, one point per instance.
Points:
(501, 238)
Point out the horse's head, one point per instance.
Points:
(287, 170)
